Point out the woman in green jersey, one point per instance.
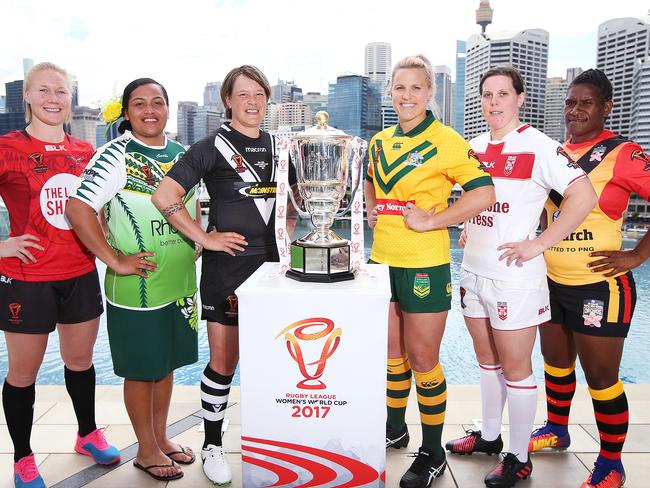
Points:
(150, 282)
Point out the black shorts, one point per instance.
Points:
(221, 274)
(601, 309)
(35, 307)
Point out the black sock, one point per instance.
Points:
(18, 405)
(81, 388)
(214, 399)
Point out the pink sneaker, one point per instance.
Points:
(95, 446)
(26, 473)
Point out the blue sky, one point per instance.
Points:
(185, 44)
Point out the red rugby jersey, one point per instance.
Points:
(35, 179)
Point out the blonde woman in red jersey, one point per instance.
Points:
(591, 286)
(48, 279)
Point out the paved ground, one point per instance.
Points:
(54, 431)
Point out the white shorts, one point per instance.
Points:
(510, 305)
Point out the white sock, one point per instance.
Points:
(522, 404)
(493, 398)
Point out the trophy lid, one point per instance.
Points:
(322, 131)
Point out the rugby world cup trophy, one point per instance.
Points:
(322, 158)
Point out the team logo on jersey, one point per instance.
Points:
(378, 150)
(414, 159)
(421, 285)
(597, 153)
(472, 155)
(14, 311)
(397, 145)
(592, 312)
(148, 177)
(510, 165)
(37, 159)
(638, 154)
(502, 310)
(571, 163)
(462, 297)
(231, 300)
(448, 288)
(239, 163)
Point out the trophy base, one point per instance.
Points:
(319, 278)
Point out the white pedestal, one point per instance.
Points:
(313, 379)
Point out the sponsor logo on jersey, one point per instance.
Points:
(592, 312)
(510, 165)
(231, 301)
(255, 149)
(421, 285)
(414, 159)
(5, 279)
(239, 163)
(258, 190)
(54, 147)
(640, 155)
(53, 199)
(502, 310)
(14, 312)
(207, 307)
(543, 309)
(462, 297)
(37, 159)
(89, 174)
(162, 156)
(397, 145)
(448, 289)
(597, 153)
(570, 162)
(261, 164)
(582, 235)
(390, 207)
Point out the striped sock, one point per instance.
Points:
(493, 398)
(612, 415)
(398, 387)
(522, 404)
(560, 387)
(432, 402)
(214, 400)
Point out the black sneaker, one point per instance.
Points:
(508, 472)
(424, 470)
(397, 438)
(473, 442)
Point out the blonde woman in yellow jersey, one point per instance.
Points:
(418, 161)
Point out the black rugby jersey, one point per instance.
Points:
(240, 176)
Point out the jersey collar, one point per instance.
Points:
(418, 129)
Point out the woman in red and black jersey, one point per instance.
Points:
(48, 278)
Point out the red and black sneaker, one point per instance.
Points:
(508, 472)
(396, 438)
(473, 442)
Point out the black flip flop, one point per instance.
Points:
(147, 469)
(182, 451)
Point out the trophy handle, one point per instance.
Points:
(304, 214)
(358, 146)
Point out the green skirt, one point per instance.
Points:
(150, 344)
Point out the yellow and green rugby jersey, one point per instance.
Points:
(420, 166)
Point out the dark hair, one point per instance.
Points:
(248, 71)
(126, 96)
(596, 78)
(509, 71)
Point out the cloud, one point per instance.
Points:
(76, 30)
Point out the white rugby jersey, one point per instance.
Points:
(525, 166)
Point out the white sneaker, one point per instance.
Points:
(215, 465)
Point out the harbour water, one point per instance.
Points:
(457, 355)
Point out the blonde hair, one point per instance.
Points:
(45, 66)
(418, 61)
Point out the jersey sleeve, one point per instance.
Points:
(462, 166)
(556, 170)
(194, 165)
(632, 170)
(103, 178)
(372, 156)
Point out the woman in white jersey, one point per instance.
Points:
(504, 294)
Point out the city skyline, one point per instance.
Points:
(96, 46)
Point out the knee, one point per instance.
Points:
(78, 361)
(223, 366)
(422, 360)
(21, 379)
(599, 378)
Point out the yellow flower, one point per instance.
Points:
(112, 111)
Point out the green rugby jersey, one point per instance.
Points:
(120, 177)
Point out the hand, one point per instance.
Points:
(228, 242)
(417, 219)
(616, 261)
(16, 247)
(521, 251)
(462, 240)
(372, 217)
(134, 264)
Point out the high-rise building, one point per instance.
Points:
(458, 101)
(315, 101)
(13, 117)
(620, 43)
(528, 52)
(194, 122)
(292, 114)
(27, 65)
(640, 116)
(484, 15)
(185, 122)
(3, 103)
(285, 91)
(378, 63)
(212, 96)
(388, 115)
(571, 73)
(84, 124)
(354, 104)
(554, 110)
(442, 81)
